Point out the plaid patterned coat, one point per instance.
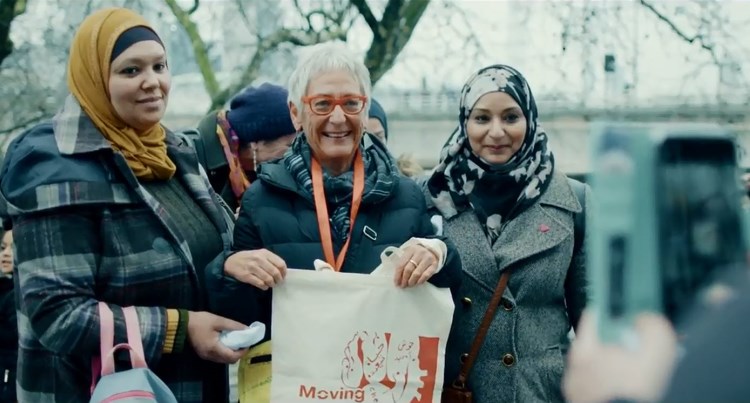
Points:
(86, 231)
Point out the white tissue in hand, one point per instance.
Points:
(239, 339)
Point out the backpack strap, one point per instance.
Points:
(106, 329)
(106, 341)
(134, 337)
(105, 363)
(579, 219)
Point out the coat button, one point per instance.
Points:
(464, 357)
(466, 301)
(507, 305)
(509, 360)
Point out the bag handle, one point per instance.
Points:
(107, 335)
(106, 329)
(135, 339)
(135, 360)
(476, 344)
(106, 341)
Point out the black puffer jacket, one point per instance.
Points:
(276, 216)
(8, 328)
(8, 341)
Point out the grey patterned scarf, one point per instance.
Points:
(460, 168)
(381, 178)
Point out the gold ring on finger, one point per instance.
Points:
(413, 262)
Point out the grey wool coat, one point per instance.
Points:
(522, 358)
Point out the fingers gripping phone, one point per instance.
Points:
(666, 223)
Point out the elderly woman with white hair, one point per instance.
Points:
(336, 196)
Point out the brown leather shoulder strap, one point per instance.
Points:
(476, 344)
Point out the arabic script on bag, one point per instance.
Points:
(383, 367)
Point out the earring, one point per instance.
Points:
(255, 160)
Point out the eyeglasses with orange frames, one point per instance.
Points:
(325, 104)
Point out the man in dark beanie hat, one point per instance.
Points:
(256, 128)
(260, 114)
(377, 125)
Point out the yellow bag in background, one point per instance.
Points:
(254, 383)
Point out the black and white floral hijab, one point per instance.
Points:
(459, 169)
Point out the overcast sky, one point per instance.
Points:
(527, 35)
(664, 66)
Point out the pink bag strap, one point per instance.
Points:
(134, 337)
(106, 340)
(96, 369)
(105, 363)
(109, 360)
(106, 329)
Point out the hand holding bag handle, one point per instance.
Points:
(457, 392)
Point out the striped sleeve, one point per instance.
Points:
(57, 256)
(173, 320)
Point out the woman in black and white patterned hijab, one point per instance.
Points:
(496, 196)
(498, 145)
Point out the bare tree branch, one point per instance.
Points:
(472, 39)
(333, 18)
(9, 10)
(266, 45)
(243, 13)
(200, 49)
(690, 77)
(89, 7)
(392, 13)
(680, 33)
(302, 14)
(319, 24)
(328, 18)
(395, 33)
(20, 7)
(23, 124)
(194, 8)
(366, 12)
(132, 4)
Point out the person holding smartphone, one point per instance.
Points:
(710, 366)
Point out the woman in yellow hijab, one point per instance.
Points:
(109, 206)
(126, 111)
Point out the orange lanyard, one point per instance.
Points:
(321, 209)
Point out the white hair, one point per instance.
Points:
(323, 58)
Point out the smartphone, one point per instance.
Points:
(701, 220)
(666, 221)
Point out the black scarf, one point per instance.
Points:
(381, 178)
(460, 169)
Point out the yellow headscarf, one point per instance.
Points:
(88, 81)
